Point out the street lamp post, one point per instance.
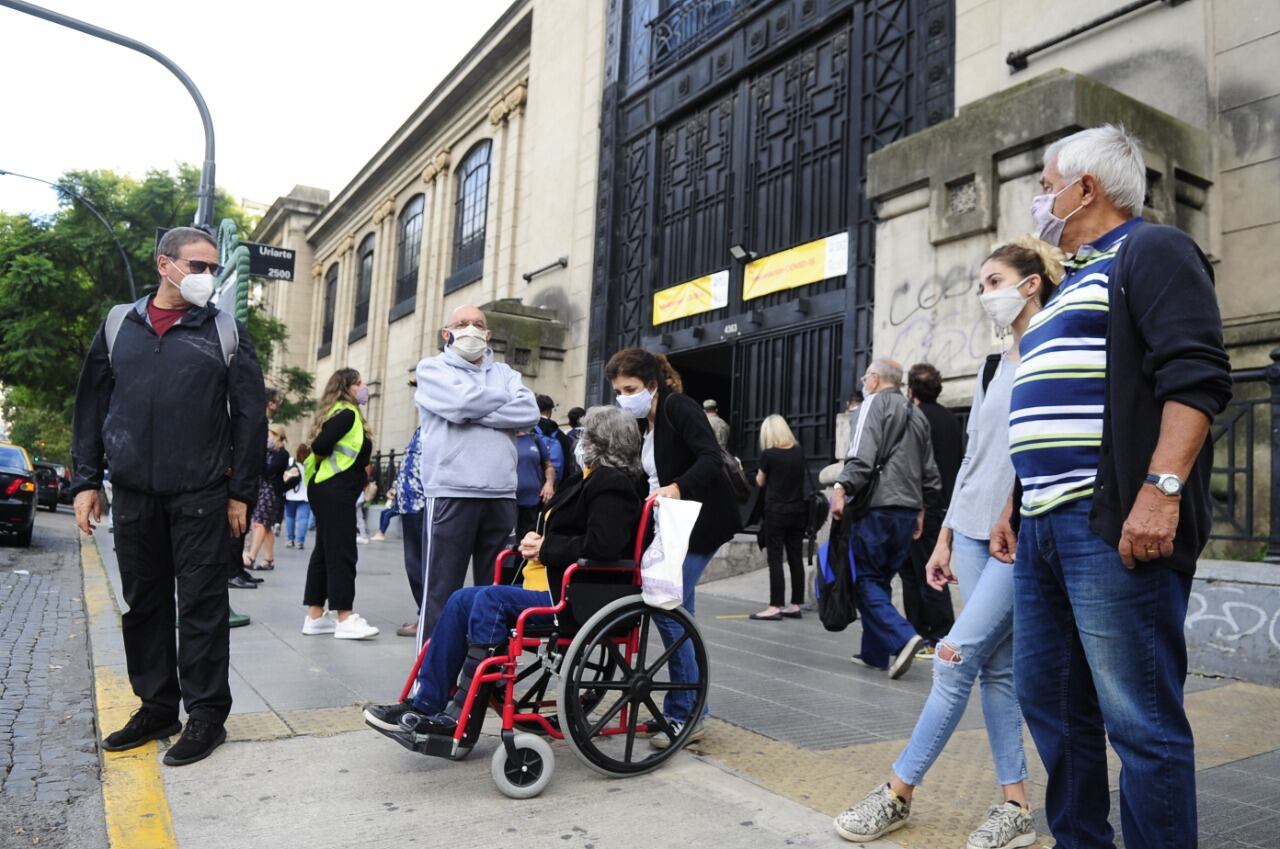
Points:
(205, 194)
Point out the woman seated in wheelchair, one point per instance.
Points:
(593, 516)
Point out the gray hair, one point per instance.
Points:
(610, 437)
(178, 238)
(1111, 155)
(889, 371)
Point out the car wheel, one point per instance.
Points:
(24, 535)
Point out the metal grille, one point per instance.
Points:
(630, 313)
(471, 206)
(364, 281)
(409, 249)
(687, 25)
(1235, 490)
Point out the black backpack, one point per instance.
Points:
(834, 581)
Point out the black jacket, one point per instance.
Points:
(1164, 343)
(170, 416)
(948, 447)
(687, 454)
(592, 518)
(275, 462)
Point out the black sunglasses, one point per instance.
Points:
(199, 266)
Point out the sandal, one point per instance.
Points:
(267, 566)
(249, 563)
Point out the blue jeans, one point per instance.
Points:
(678, 704)
(881, 541)
(384, 519)
(297, 517)
(479, 616)
(1101, 654)
(982, 636)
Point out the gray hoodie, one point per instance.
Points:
(469, 414)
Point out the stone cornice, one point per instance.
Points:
(511, 103)
(385, 210)
(438, 166)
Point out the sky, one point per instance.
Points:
(300, 92)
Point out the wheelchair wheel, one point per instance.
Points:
(604, 708)
(527, 774)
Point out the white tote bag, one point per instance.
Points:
(662, 566)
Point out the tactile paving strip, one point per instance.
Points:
(315, 722)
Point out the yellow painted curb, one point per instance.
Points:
(133, 797)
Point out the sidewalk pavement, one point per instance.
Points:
(798, 733)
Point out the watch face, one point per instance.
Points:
(1170, 486)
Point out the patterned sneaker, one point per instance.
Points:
(1007, 826)
(877, 815)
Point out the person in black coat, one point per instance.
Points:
(593, 517)
(682, 459)
(270, 507)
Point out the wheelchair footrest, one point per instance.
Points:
(435, 745)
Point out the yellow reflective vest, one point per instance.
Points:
(344, 453)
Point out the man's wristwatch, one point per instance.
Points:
(1170, 485)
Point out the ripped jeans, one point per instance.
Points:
(983, 637)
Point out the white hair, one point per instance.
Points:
(1111, 155)
(889, 371)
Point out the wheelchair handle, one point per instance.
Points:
(646, 516)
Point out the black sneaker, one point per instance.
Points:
(143, 727)
(417, 723)
(248, 576)
(198, 740)
(238, 582)
(386, 717)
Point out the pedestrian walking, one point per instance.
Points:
(335, 471)
(1120, 377)
(782, 477)
(297, 512)
(535, 480)
(929, 610)
(469, 409)
(171, 395)
(1015, 281)
(269, 510)
(575, 424)
(682, 459)
(559, 445)
(410, 501)
(719, 426)
(890, 475)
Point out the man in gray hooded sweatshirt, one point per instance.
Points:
(469, 409)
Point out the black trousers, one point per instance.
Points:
(784, 532)
(928, 610)
(411, 527)
(166, 544)
(331, 572)
(526, 520)
(455, 532)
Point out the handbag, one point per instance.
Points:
(835, 581)
(662, 565)
(859, 504)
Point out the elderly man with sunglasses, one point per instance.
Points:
(171, 396)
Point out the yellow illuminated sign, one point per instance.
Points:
(811, 262)
(696, 296)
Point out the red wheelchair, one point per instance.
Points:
(603, 647)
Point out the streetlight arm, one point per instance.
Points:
(204, 209)
(68, 191)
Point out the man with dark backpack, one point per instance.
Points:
(176, 407)
(558, 444)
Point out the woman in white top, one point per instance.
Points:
(297, 512)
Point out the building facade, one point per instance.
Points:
(733, 232)
(484, 196)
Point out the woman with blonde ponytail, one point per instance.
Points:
(1015, 281)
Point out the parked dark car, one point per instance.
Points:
(64, 481)
(17, 493)
(48, 486)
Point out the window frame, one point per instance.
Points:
(470, 216)
(405, 287)
(329, 310)
(364, 289)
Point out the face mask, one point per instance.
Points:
(470, 342)
(580, 455)
(362, 395)
(1049, 226)
(638, 404)
(1004, 305)
(196, 289)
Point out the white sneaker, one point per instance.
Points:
(354, 627)
(362, 540)
(902, 662)
(325, 624)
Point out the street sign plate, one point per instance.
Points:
(270, 261)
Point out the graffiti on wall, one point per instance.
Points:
(1220, 618)
(937, 319)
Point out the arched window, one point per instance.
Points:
(470, 210)
(364, 288)
(330, 301)
(408, 253)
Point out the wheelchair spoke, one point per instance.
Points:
(621, 661)
(665, 687)
(631, 734)
(608, 717)
(663, 724)
(644, 640)
(666, 655)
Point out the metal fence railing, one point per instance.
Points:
(1246, 461)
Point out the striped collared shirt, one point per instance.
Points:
(1055, 415)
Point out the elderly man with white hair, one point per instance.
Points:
(890, 476)
(469, 409)
(1120, 377)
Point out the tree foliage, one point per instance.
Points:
(60, 273)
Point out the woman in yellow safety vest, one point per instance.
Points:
(335, 472)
